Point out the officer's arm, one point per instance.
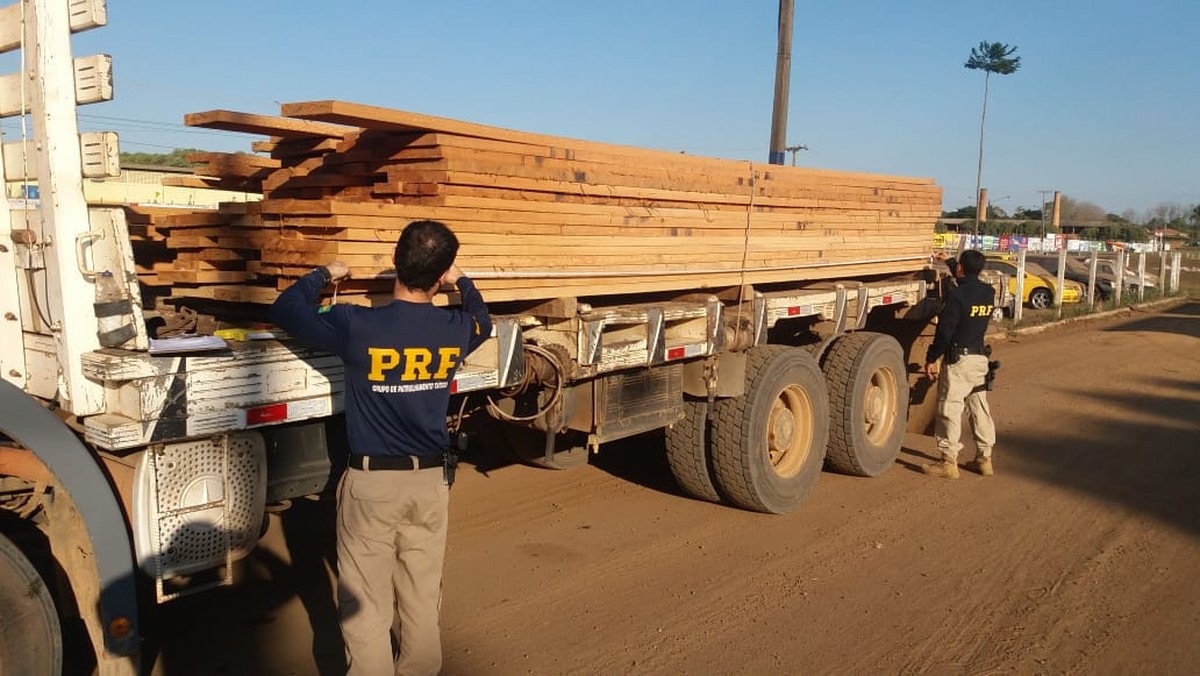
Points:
(472, 304)
(296, 311)
(947, 324)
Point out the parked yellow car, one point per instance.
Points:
(1041, 286)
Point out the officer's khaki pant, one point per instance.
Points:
(391, 542)
(955, 390)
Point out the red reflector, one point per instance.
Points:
(887, 299)
(675, 353)
(793, 311)
(453, 387)
(266, 414)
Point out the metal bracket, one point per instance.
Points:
(656, 344)
(759, 305)
(863, 310)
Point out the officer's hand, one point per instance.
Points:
(338, 271)
(931, 370)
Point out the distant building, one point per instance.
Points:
(143, 184)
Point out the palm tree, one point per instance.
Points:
(990, 57)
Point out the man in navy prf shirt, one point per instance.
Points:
(393, 500)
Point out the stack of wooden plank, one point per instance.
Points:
(539, 217)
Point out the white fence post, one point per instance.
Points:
(1062, 282)
(1092, 266)
(1141, 276)
(1019, 301)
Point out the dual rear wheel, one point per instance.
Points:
(764, 450)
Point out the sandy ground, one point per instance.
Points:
(1082, 555)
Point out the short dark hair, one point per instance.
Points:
(972, 262)
(424, 252)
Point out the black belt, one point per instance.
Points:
(964, 351)
(409, 462)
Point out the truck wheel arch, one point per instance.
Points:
(92, 500)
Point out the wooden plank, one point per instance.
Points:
(667, 161)
(381, 228)
(199, 182)
(292, 148)
(606, 191)
(233, 160)
(203, 276)
(374, 117)
(191, 219)
(215, 255)
(194, 241)
(491, 209)
(240, 293)
(236, 265)
(143, 214)
(616, 257)
(265, 125)
(728, 176)
(552, 247)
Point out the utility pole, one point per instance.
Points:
(783, 74)
(793, 150)
(981, 211)
(1043, 211)
(1057, 213)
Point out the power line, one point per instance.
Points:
(133, 126)
(151, 125)
(148, 145)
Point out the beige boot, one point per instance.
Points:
(983, 465)
(947, 469)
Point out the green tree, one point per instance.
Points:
(961, 212)
(1132, 233)
(175, 158)
(1029, 214)
(990, 57)
(1080, 213)
(1027, 228)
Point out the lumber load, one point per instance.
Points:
(180, 250)
(539, 217)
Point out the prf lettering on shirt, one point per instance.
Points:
(414, 363)
(981, 310)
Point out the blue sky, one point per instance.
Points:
(1105, 107)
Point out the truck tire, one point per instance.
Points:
(868, 401)
(30, 635)
(689, 452)
(768, 445)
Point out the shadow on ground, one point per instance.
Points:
(1182, 319)
(1151, 467)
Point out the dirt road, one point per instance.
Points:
(1082, 555)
